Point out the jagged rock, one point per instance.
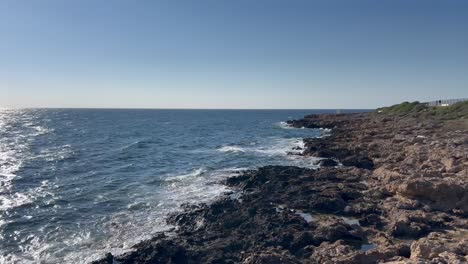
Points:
(444, 195)
(359, 161)
(413, 223)
(328, 163)
(329, 253)
(442, 248)
(270, 256)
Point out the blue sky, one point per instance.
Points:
(231, 54)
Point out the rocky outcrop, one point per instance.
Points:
(450, 247)
(445, 194)
(420, 159)
(391, 189)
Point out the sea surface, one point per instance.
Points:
(75, 184)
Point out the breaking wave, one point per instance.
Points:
(285, 125)
(233, 149)
(272, 147)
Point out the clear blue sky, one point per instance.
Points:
(231, 54)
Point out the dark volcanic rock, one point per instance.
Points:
(230, 231)
(328, 163)
(324, 148)
(359, 161)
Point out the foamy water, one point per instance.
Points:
(76, 184)
(16, 137)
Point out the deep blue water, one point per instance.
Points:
(75, 184)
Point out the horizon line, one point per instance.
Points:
(151, 108)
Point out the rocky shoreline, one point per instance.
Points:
(390, 189)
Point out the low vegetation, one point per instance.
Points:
(404, 108)
(456, 111)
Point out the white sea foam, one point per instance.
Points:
(307, 217)
(192, 174)
(40, 130)
(324, 132)
(9, 166)
(282, 146)
(14, 152)
(289, 150)
(201, 185)
(273, 147)
(350, 220)
(131, 145)
(56, 153)
(16, 199)
(146, 215)
(285, 125)
(233, 149)
(10, 162)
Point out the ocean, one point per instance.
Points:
(78, 183)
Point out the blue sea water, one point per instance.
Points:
(75, 184)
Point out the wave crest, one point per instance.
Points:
(235, 149)
(285, 125)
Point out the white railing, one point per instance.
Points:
(446, 102)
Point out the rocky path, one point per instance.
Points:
(391, 189)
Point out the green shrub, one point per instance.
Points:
(404, 108)
(456, 111)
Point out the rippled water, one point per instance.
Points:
(75, 184)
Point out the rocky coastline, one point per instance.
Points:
(390, 189)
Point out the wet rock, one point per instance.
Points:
(359, 161)
(328, 163)
(109, 259)
(331, 204)
(270, 256)
(161, 251)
